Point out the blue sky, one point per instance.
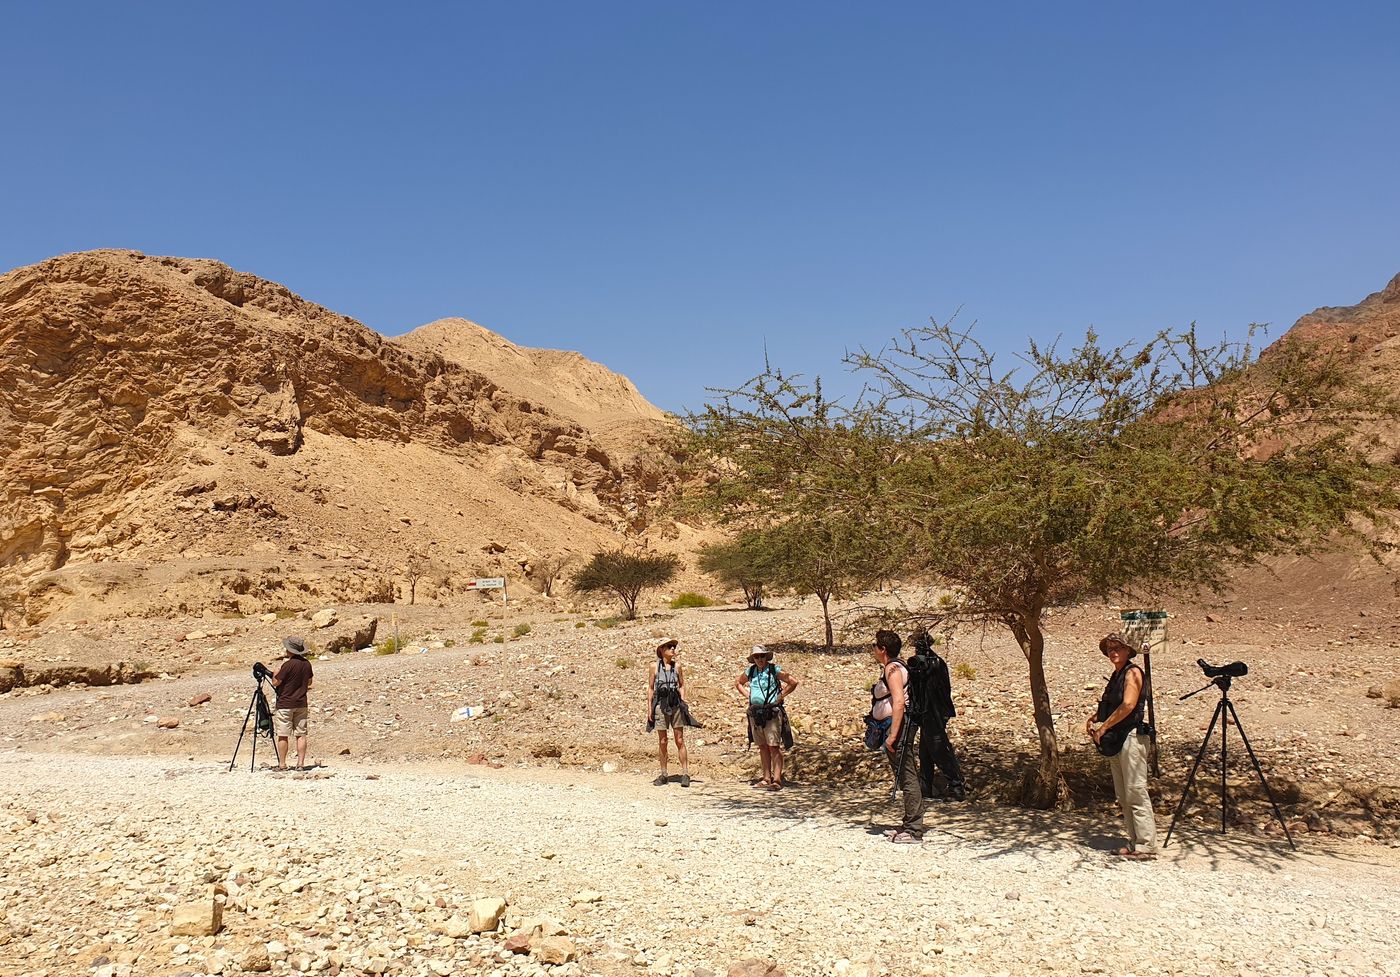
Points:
(670, 186)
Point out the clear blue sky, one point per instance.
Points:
(667, 186)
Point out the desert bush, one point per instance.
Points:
(964, 671)
(626, 574)
(499, 639)
(391, 645)
(481, 624)
(689, 599)
(520, 630)
(622, 662)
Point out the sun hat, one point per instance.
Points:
(666, 641)
(294, 646)
(1117, 638)
(759, 651)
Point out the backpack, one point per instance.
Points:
(930, 694)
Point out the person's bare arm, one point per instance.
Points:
(1132, 691)
(788, 683)
(741, 684)
(894, 681)
(680, 680)
(651, 690)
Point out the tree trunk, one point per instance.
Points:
(826, 617)
(1045, 786)
(412, 592)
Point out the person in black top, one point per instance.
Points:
(935, 749)
(1121, 736)
(292, 682)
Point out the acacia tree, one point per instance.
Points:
(626, 574)
(549, 568)
(415, 564)
(742, 562)
(1097, 473)
(823, 557)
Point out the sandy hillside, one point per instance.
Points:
(162, 416)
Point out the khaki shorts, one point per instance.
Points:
(769, 734)
(290, 722)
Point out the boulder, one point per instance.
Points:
(555, 950)
(199, 700)
(486, 914)
(256, 960)
(324, 618)
(167, 722)
(517, 942)
(204, 918)
(352, 635)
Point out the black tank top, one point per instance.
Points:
(1111, 740)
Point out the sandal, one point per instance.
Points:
(1142, 856)
(1122, 853)
(774, 785)
(763, 784)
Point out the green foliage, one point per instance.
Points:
(499, 639)
(1128, 473)
(626, 574)
(623, 662)
(478, 637)
(391, 645)
(450, 643)
(964, 671)
(743, 563)
(689, 599)
(520, 630)
(481, 624)
(580, 624)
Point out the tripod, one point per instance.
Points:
(1222, 682)
(262, 724)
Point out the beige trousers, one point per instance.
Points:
(1130, 784)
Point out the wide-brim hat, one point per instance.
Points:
(667, 643)
(294, 646)
(758, 651)
(1117, 638)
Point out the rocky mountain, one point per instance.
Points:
(180, 436)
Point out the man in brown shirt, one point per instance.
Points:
(292, 682)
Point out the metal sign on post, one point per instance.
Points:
(1148, 630)
(489, 583)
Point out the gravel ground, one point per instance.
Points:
(361, 870)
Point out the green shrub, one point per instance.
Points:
(623, 662)
(580, 624)
(964, 671)
(499, 639)
(689, 599)
(606, 622)
(520, 630)
(480, 624)
(450, 643)
(478, 636)
(391, 645)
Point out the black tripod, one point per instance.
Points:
(258, 714)
(1220, 678)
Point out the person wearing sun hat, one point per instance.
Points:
(766, 685)
(292, 682)
(1119, 736)
(666, 708)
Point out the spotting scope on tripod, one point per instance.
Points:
(1220, 677)
(258, 715)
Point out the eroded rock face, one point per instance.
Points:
(157, 407)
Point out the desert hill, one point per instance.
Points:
(180, 436)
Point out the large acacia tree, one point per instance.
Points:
(1093, 473)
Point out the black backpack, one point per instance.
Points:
(930, 693)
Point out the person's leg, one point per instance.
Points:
(765, 756)
(942, 754)
(281, 753)
(301, 751)
(776, 752)
(682, 756)
(1115, 767)
(1137, 809)
(912, 821)
(661, 758)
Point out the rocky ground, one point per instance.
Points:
(373, 862)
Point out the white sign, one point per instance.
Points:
(487, 583)
(1147, 629)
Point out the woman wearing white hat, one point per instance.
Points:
(767, 685)
(666, 708)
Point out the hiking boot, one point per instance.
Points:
(955, 794)
(660, 780)
(907, 838)
(685, 780)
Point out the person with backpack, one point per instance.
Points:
(890, 701)
(1122, 737)
(666, 708)
(931, 702)
(767, 686)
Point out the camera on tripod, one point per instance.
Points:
(1232, 670)
(261, 672)
(259, 715)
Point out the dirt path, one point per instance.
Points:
(356, 871)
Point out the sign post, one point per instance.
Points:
(489, 583)
(1148, 629)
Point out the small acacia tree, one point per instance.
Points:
(548, 569)
(743, 562)
(415, 564)
(626, 574)
(1092, 474)
(828, 558)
